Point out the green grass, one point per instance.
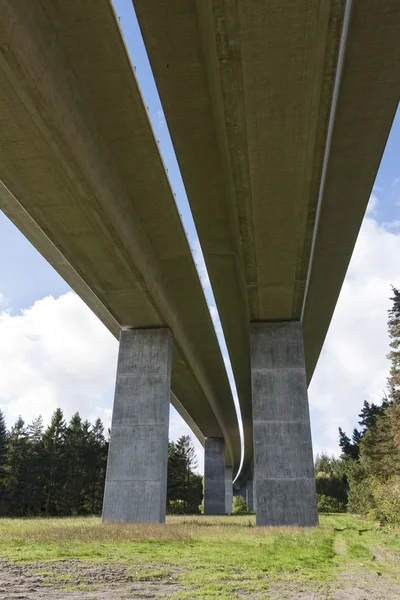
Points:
(210, 556)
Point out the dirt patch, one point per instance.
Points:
(361, 584)
(73, 579)
(79, 580)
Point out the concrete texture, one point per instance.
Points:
(136, 480)
(250, 494)
(214, 476)
(84, 181)
(283, 459)
(228, 490)
(247, 89)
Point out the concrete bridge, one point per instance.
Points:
(84, 181)
(279, 113)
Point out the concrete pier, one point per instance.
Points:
(228, 490)
(214, 476)
(283, 460)
(136, 480)
(249, 494)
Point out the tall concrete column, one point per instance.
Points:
(249, 494)
(136, 480)
(283, 459)
(214, 476)
(228, 490)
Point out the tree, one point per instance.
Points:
(331, 483)
(394, 354)
(61, 470)
(95, 468)
(3, 460)
(370, 412)
(54, 464)
(240, 506)
(17, 479)
(184, 489)
(76, 440)
(34, 461)
(349, 449)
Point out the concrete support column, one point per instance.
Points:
(249, 494)
(228, 490)
(136, 480)
(283, 460)
(214, 476)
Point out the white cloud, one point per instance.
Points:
(353, 366)
(372, 205)
(58, 354)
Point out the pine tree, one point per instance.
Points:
(76, 442)
(95, 468)
(3, 460)
(35, 501)
(17, 482)
(349, 449)
(394, 354)
(54, 464)
(370, 412)
(184, 490)
(379, 454)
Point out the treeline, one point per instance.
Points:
(60, 469)
(366, 477)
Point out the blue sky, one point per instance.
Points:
(47, 334)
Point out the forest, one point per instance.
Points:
(365, 479)
(60, 470)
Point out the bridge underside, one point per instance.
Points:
(279, 113)
(82, 177)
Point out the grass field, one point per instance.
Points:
(198, 557)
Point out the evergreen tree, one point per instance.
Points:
(394, 354)
(76, 442)
(331, 483)
(184, 490)
(54, 464)
(349, 449)
(61, 470)
(95, 468)
(17, 478)
(370, 412)
(3, 460)
(35, 499)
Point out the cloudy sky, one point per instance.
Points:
(54, 351)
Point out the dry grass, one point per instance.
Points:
(90, 529)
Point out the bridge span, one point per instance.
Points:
(279, 112)
(83, 179)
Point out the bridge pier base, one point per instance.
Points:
(214, 476)
(249, 494)
(136, 480)
(228, 490)
(283, 459)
